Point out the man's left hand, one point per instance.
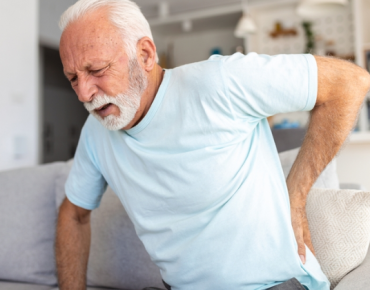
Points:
(301, 231)
(342, 87)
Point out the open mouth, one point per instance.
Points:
(102, 108)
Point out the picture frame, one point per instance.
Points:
(367, 59)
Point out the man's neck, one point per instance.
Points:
(155, 79)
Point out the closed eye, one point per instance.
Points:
(98, 71)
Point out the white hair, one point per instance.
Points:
(124, 14)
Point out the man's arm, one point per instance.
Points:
(72, 246)
(342, 87)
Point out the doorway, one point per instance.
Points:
(63, 114)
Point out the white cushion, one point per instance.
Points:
(327, 179)
(339, 222)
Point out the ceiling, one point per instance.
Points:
(209, 23)
(50, 11)
(150, 7)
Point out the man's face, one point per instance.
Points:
(108, 83)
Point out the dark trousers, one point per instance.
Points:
(292, 284)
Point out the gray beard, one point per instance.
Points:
(128, 103)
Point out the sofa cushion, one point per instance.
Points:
(359, 278)
(327, 179)
(27, 228)
(94, 288)
(22, 286)
(339, 221)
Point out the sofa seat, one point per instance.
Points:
(92, 288)
(98, 288)
(5, 285)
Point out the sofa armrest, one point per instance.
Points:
(355, 186)
(359, 278)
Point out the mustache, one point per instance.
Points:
(100, 101)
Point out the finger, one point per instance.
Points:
(298, 232)
(301, 248)
(302, 251)
(307, 236)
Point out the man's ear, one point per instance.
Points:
(147, 53)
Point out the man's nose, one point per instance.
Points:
(86, 89)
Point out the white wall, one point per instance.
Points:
(196, 46)
(50, 12)
(337, 28)
(354, 164)
(19, 100)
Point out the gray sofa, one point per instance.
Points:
(29, 201)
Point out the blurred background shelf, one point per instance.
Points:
(359, 137)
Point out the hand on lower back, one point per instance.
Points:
(301, 231)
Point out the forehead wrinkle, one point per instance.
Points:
(88, 64)
(96, 47)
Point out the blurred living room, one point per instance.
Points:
(41, 117)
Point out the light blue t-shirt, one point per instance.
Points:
(200, 176)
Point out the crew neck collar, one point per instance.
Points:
(154, 107)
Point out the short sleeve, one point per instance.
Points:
(85, 184)
(261, 85)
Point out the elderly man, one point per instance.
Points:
(190, 154)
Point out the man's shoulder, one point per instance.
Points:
(199, 73)
(197, 67)
(208, 68)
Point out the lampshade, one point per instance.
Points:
(317, 8)
(245, 25)
(187, 25)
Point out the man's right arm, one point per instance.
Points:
(72, 246)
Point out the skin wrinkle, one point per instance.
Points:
(113, 86)
(127, 102)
